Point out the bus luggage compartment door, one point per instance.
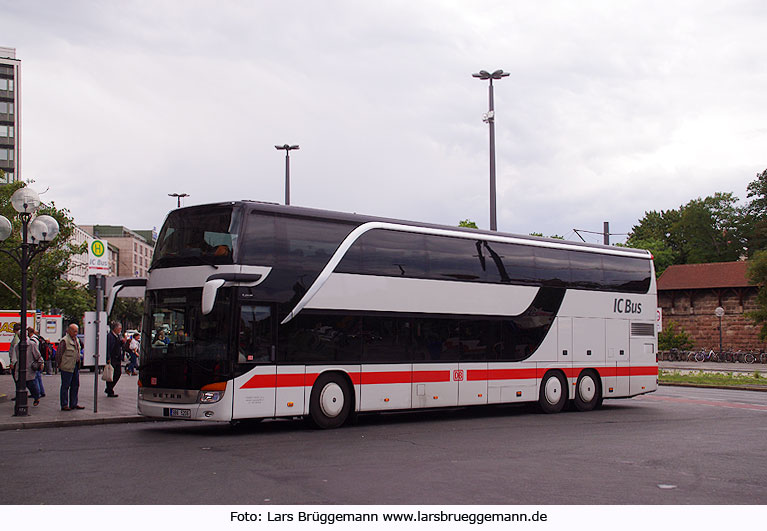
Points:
(254, 393)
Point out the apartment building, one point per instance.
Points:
(10, 114)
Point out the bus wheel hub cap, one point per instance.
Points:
(332, 400)
(553, 390)
(587, 389)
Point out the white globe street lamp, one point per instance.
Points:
(35, 238)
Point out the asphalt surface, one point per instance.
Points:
(676, 446)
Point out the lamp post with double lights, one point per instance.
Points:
(489, 118)
(178, 197)
(288, 148)
(36, 236)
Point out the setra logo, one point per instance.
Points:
(458, 375)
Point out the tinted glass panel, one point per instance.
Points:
(552, 267)
(197, 236)
(255, 335)
(185, 349)
(586, 270)
(480, 340)
(626, 274)
(291, 243)
(516, 263)
(459, 259)
(315, 338)
(387, 253)
(436, 339)
(387, 339)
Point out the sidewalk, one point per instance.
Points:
(49, 414)
(705, 366)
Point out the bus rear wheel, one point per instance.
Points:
(588, 391)
(331, 401)
(553, 394)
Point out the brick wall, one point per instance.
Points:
(693, 310)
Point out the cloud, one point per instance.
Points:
(610, 110)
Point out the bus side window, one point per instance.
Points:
(255, 339)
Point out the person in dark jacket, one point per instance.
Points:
(114, 357)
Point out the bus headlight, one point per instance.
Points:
(210, 397)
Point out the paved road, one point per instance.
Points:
(679, 445)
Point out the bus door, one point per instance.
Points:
(615, 378)
(436, 375)
(254, 388)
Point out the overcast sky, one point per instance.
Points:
(611, 109)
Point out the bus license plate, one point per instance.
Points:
(181, 413)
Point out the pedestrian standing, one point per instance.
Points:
(14, 342)
(135, 341)
(34, 362)
(114, 357)
(68, 358)
(37, 340)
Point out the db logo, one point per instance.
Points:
(458, 375)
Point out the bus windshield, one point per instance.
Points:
(197, 236)
(184, 349)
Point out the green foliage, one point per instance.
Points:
(46, 268)
(468, 224)
(663, 255)
(128, 311)
(703, 378)
(671, 337)
(554, 236)
(757, 274)
(73, 300)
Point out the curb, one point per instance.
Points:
(761, 389)
(78, 422)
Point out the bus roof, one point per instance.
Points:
(260, 206)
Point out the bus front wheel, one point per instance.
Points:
(553, 394)
(331, 401)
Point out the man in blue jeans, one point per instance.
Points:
(68, 355)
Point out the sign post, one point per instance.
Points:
(98, 268)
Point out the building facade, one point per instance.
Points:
(689, 294)
(10, 114)
(78, 264)
(134, 248)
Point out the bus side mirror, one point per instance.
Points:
(209, 291)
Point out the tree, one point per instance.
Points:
(663, 255)
(128, 311)
(73, 300)
(47, 268)
(467, 223)
(754, 222)
(757, 275)
(703, 230)
(670, 338)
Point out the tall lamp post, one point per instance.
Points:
(36, 234)
(178, 196)
(489, 118)
(288, 148)
(719, 312)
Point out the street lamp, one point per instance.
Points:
(489, 118)
(178, 196)
(719, 312)
(36, 234)
(287, 149)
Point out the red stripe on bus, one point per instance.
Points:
(396, 377)
(261, 381)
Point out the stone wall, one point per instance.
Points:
(693, 310)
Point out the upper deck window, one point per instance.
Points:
(197, 236)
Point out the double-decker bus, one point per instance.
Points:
(257, 310)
